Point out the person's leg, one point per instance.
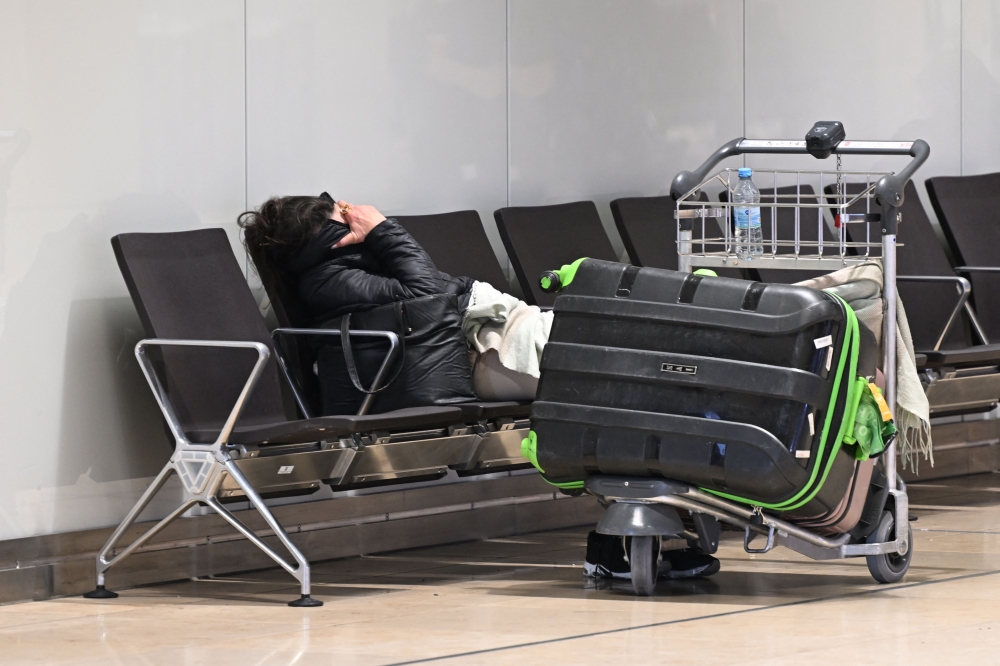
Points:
(690, 563)
(494, 382)
(606, 558)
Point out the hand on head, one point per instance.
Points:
(360, 219)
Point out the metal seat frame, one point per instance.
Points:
(217, 470)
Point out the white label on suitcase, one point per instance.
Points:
(286, 469)
(825, 341)
(799, 453)
(812, 425)
(829, 358)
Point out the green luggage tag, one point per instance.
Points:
(873, 427)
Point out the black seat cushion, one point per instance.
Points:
(540, 238)
(485, 411)
(458, 245)
(332, 427)
(515, 409)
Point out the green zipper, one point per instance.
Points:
(811, 488)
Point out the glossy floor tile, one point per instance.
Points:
(523, 600)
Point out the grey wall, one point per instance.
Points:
(118, 115)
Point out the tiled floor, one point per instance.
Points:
(523, 600)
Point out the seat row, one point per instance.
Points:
(951, 323)
(221, 378)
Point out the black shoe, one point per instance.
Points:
(690, 563)
(606, 557)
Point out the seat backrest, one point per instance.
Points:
(283, 296)
(918, 252)
(856, 231)
(649, 231)
(540, 238)
(458, 245)
(921, 252)
(188, 285)
(968, 208)
(291, 313)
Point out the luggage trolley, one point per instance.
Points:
(644, 507)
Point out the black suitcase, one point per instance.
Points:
(742, 388)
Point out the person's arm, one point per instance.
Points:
(404, 260)
(345, 286)
(399, 255)
(404, 270)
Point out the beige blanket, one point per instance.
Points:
(861, 287)
(517, 331)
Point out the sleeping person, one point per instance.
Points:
(349, 259)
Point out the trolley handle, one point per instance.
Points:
(888, 190)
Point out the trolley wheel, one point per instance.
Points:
(642, 561)
(891, 567)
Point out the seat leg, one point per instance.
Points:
(301, 568)
(103, 563)
(206, 495)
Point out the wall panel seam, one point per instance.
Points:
(246, 142)
(506, 31)
(744, 91)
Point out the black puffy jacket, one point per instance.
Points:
(388, 266)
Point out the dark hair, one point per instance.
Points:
(277, 230)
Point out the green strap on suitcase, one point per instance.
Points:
(816, 480)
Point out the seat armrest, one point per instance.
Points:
(160, 392)
(293, 382)
(964, 289)
(970, 357)
(977, 269)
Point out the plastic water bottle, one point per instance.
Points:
(749, 240)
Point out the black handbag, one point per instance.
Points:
(432, 368)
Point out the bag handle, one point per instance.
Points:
(352, 370)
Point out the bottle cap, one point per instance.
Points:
(745, 172)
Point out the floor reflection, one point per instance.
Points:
(524, 600)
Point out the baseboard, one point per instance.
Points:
(971, 447)
(64, 564)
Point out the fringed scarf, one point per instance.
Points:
(861, 287)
